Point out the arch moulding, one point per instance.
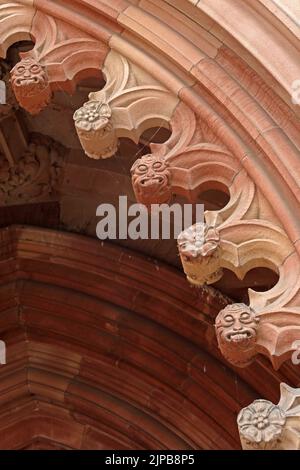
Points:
(226, 95)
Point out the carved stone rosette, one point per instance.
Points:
(96, 130)
(131, 102)
(199, 251)
(265, 426)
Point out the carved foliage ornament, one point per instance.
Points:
(261, 425)
(95, 129)
(236, 329)
(265, 426)
(30, 84)
(151, 180)
(199, 251)
(35, 176)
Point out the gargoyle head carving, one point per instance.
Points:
(95, 129)
(236, 329)
(31, 86)
(151, 180)
(199, 249)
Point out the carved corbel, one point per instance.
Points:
(61, 57)
(151, 180)
(131, 102)
(190, 157)
(270, 324)
(236, 329)
(243, 235)
(265, 426)
(200, 253)
(275, 313)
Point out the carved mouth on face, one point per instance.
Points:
(238, 336)
(154, 181)
(26, 81)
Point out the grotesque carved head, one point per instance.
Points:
(31, 85)
(199, 249)
(151, 180)
(236, 328)
(95, 130)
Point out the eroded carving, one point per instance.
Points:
(199, 249)
(35, 176)
(151, 180)
(236, 328)
(30, 84)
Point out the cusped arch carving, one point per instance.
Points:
(15, 20)
(130, 102)
(62, 56)
(253, 125)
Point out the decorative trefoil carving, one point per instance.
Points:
(61, 57)
(130, 102)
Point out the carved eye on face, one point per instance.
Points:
(245, 317)
(20, 69)
(229, 319)
(157, 166)
(142, 168)
(35, 68)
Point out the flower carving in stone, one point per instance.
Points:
(236, 328)
(261, 425)
(151, 180)
(95, 129)
(30, 84)
(199, 249)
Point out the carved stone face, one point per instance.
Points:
(236, 328)
(31, 85)
(151, 180)
(95, 130)
(199, 249)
